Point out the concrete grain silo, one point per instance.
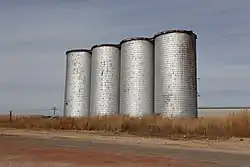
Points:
(105, 70)
(175, 73)
(137, 77)
(77, 84)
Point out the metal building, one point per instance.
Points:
(77, 84)
(137, 77)
(105, 70)
(175, 73)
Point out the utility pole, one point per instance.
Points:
(54, 110)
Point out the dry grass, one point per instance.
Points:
(237, 125)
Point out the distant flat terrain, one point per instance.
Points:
(220, 111)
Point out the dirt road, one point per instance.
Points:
(30, 151)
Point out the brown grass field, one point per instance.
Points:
(237, 125)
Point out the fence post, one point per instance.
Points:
(10, 116)
(61, 123)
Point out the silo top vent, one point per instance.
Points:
(176, 31)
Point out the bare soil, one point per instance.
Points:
(229, 145)
(17, 154)
(31, 148)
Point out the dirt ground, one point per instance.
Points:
(231, 145)
(31, 148)
(16, 154)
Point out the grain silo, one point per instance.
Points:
(77, 84)
(175, 73)
(105, 70)
(137, 77)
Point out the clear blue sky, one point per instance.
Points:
(35, 35)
